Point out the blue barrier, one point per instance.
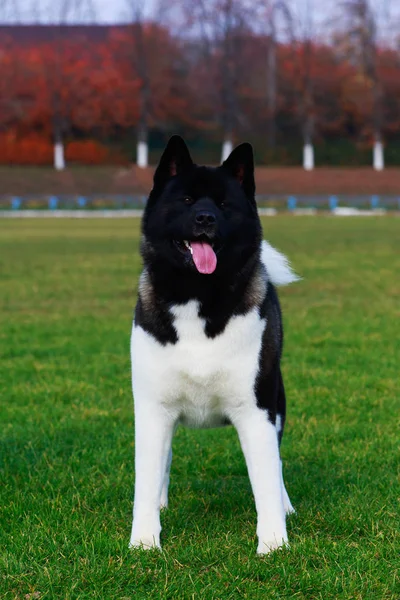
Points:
(53, 202)
(333, 202)
(374, 201)
(16, 203)
(291, 202)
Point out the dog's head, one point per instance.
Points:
(202, 219)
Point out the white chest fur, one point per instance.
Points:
(200, 380)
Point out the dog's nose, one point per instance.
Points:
(205, 218)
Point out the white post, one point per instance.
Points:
(378, 159)
(308, 157)
(142, 154)
(59, 160)
(227, 148)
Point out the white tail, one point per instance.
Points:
(277, 265)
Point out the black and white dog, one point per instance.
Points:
(207, 335)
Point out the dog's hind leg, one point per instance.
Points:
(279, 424)
(285, 497)
(164, 491)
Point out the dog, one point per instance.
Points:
(207, 334)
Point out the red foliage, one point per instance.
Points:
(34, 149)
(29, 150)
(90, 152)
(68, 84)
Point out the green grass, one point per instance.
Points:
(67, 293)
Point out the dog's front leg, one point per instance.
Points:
(260, 448)
(153, 435)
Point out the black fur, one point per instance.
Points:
(269, 389)
(182, 191)
(227, 192)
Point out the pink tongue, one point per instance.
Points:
(204, 257)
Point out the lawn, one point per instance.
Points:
(66, 456)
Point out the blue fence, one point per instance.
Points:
(61, 201)
(280, 202)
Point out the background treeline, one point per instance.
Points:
(228, 72)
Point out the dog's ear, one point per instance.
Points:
(174, 160)
(240, 165)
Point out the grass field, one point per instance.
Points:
(67, 294)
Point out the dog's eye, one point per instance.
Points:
(188, 200)
(222, 204)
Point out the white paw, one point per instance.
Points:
(145, 534)
(146, 542)
(270, 541)
(164, 500)
(287, 505)
(289, 510)
(265, 547)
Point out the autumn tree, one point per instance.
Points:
(221, 26)
(231, 68)
(273, 21)
(303, 45)
(136, 57)
(361, 43)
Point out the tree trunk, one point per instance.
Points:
(271, 94)
(271, 81)
(378, 156)
(59, 160)
(308, 129)
(227, 66)
(227, 147)
(308, 156)
(378, 159)
(308, 99)
(142, 148)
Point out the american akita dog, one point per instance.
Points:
(207, 335)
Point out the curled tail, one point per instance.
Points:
(277, 265)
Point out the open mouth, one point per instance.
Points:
(202, 254)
